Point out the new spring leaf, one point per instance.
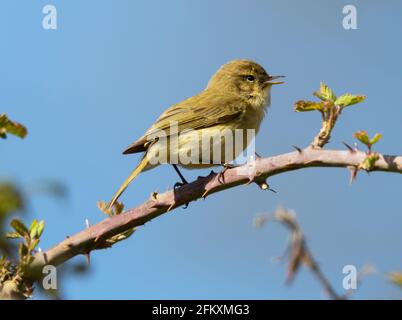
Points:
(349, 99)
(303, 106)
(363, 137)
(325, 93)
(11, 127)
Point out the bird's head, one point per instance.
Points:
(245, 78)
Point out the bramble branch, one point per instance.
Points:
(158, 204)
(121, 225)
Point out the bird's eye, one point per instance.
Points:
(250, 78)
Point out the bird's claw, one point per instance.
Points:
(178, 185)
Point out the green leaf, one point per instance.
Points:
(33, 229)
(20, 227)
(13, 235)
(303, 106)
(362, 136)
(41, 227)
(376, 138)
(348, 100)
(325, 93)
(12, 127)
(369, 163)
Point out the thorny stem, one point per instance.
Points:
(329, 119)
(87, 239)
(93, 237)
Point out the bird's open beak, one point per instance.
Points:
(270, 82)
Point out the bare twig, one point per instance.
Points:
(299, 253)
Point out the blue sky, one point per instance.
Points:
(91, 87)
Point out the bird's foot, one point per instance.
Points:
(183, 182)
(177, 186)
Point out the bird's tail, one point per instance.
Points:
(140, 167)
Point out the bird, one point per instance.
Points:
(236, 98)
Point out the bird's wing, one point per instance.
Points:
(201, 111)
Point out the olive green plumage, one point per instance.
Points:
(236, 97)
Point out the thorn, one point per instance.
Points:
(349, 147)
(87, 225)
(257, 156)
(204, 195)
(298, 149)
(170, 207)
(88, 258)
(353, 173)
(272, 190)
(154, 195)
(96, 239)
(221, 177)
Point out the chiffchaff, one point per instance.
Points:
(236, 98)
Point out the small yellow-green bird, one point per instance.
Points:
(236, 97)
